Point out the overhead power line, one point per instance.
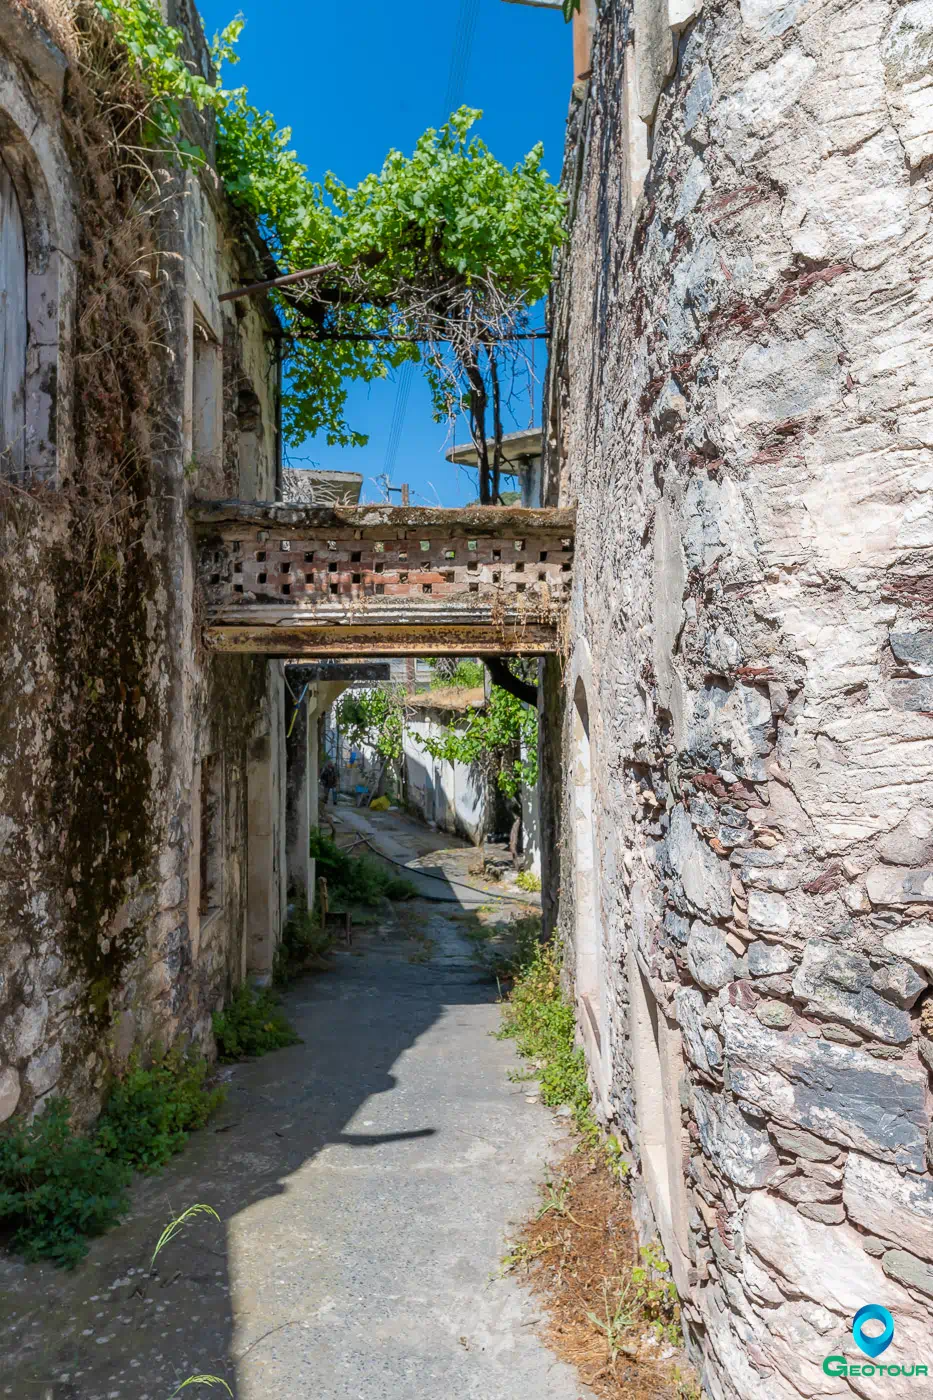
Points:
(398, 417)
(461, 55)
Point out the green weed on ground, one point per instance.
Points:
(355, 879)
(528, 880)
(153, 1109)
(57, 1187)
(541, 1021)
(304, 947)
(252, 1024)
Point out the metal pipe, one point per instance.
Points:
(285, 281)
(410, 339)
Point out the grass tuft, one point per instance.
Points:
(541, 1021)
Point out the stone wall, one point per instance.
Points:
(739, 400)
(124, 748)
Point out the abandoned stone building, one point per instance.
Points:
(739, 405)
(142, 784)
(736, 738)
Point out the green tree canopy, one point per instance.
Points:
(447, 246)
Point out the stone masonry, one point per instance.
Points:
(740, 403)
(142, 786)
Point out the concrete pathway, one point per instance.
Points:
(366, 1181)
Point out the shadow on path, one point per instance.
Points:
(366, 1181)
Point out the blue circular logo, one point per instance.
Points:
(873, 1345)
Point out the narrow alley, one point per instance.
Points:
(366, 1182)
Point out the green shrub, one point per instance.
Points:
(151, 1110)
(304, 947)
(252, 1024)
(527, 880)
(355, 879)
(542, 1023)
(57, 1187)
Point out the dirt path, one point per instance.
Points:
(366, 1182)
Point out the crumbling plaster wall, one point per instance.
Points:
(110, 704)
(739, 401)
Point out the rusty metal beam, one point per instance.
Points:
(300, 639)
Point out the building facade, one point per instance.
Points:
(739, 404)
(142, 783)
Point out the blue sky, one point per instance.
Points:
(353, 80)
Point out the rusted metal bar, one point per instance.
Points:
(299, 640)
(284, 281)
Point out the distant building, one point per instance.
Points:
(521, 453)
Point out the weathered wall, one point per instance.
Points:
(739, 399)
(111, 713)
(452, 795)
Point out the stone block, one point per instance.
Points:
(837, 984)
(676, 926)
(709, 958)
(898, 884)
(841, 1035)
(898, 982)
(741, 1151)
(768, 958)
(888, 1204)
(913, 649)
(827, 1264)
(9, 1092)
(774, 986)
(826, 1213)
(911, 841)
(704, 877)
(767, 911)
(800, 1189)
(908, 1270)
(839, 1093)
(701, 1044)
(913, 942)
(44, 1070)
(680, 13)
(914, 695)
(802, 1144)
(775, 1014)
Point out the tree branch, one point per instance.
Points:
(501, 676)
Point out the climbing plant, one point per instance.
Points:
(375, 718)
(438, 258)
(504, 734)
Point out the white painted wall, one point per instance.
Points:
(452, 795)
